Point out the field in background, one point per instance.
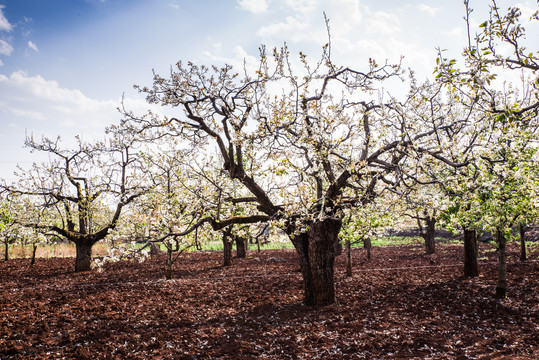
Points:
(60, 250)
(100, 249)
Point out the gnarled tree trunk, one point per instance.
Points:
(227, 248)
(470, 253)
(316, 250)
(501, 287)
(83, 259)
(241, 247)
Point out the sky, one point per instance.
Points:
(66, 64)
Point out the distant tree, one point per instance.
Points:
(362, 224)
(85, 189)
(423, 203)
(6, 224)
(182, 194)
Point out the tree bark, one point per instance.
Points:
(367, 244)
(501, 287)
(338, 248)
(316, 250)
(6, 250)
(301, 243)
(470, 254)
(241, 247)
(227, 250)
(155, 249)
(34, 250)
(430, 243)
(348, 247)
(168, 274)
(84, 256)
(522, 230)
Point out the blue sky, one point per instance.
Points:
(64, 64)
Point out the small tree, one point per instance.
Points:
(6, 225)
(80, 187)
(423, 203)
(363, 224)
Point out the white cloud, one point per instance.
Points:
(302, 6)
(34, 105)
(254, 6)
(174, 6)
(383, 23)
(21, 113)
(427, 9)
(4, 23)
(33, 97)
(46, 89)
(456, 32)
(293, 28)
(65, 110)
(5, 48)
(304, 22)
(238, 59)
(32, 45)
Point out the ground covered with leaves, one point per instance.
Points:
(401, 304)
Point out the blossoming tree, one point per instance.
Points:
(76, 185)
(305, 140)
(501, 183)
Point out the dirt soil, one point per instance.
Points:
(401, 304)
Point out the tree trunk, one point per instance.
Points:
(241, 247)
(301, 243)
(348, 247)
(470, 254)
(430, 244)
(168, 274)
(155, 249)
(34, 250)
(316, 250)
(338, 248)
(84, 256)
(367, 244)
(6, 250)
(501, 287)
(522, 230)
(227, 250)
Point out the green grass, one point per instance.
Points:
(100, 249)
(217, 245)
(394, 241)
